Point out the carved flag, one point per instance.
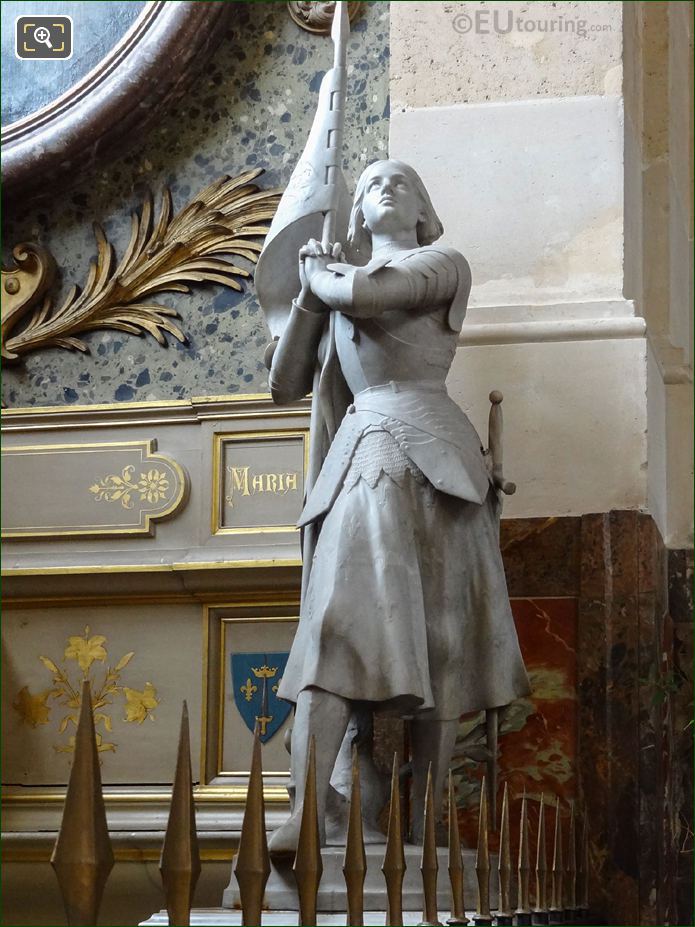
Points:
(316, 202)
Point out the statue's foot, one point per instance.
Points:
(284, 841)
(372, 834)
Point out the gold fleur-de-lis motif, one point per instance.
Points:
(248, 689)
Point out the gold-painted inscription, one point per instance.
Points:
(242, 481)
(259, 481)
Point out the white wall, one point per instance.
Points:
(519, 139)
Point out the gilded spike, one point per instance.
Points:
(523, 911)
(557, 906)
(82, 857)
(429, 866)
(540, 912)
(492, 722)
(180, 860)
(458, 908)
(584, 857)
(355, 860)
(482, 863)
(571, 871)
(308, 867)
(394, 857)
(252, 866)
(504, 869)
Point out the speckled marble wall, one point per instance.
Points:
(252, 107)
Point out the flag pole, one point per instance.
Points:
(340, 31)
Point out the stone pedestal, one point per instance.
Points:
(224, 917)
(281, 890)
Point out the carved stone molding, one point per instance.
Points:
(317, 17)
(112, 106)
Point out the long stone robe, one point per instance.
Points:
(406, 605)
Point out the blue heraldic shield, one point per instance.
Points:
(255, 682)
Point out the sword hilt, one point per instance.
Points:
(495, 444)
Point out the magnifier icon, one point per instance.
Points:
(43, 36)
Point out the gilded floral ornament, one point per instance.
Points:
(86, 650)
(89, 653)
(171, 252)
(139, 704)
(32, 709)
(151, 487)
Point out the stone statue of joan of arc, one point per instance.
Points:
(406, 608)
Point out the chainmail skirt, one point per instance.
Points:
(407, 603)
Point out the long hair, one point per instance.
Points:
(429, 228)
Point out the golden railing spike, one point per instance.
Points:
(429, 865)
(394, 857)
(482, 863)
(504, 866)
(252, 864)
(492, 722)
(523, 910)
(82, 857)
(571, 871)
(586, 872)
(458, 907)
(355, 860)
(179, 863)
(540, 911)
(308, 866)
(556, 882)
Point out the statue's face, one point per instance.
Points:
(390, 203)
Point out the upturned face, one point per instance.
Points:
(390, 203)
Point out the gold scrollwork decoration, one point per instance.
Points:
(317, 17)
(66, 692)
(230, 217)
(23, 286)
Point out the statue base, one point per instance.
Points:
(224, 917)
(281, 890)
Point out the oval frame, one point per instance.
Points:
(108, 109)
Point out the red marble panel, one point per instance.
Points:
(538, 735)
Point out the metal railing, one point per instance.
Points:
(82, 857)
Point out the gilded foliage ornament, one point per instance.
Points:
(151, 487)
(168, 253)
(86, 651)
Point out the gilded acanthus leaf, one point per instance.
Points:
(229, 218)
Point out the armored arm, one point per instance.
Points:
(294, 359)
(421, 280)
